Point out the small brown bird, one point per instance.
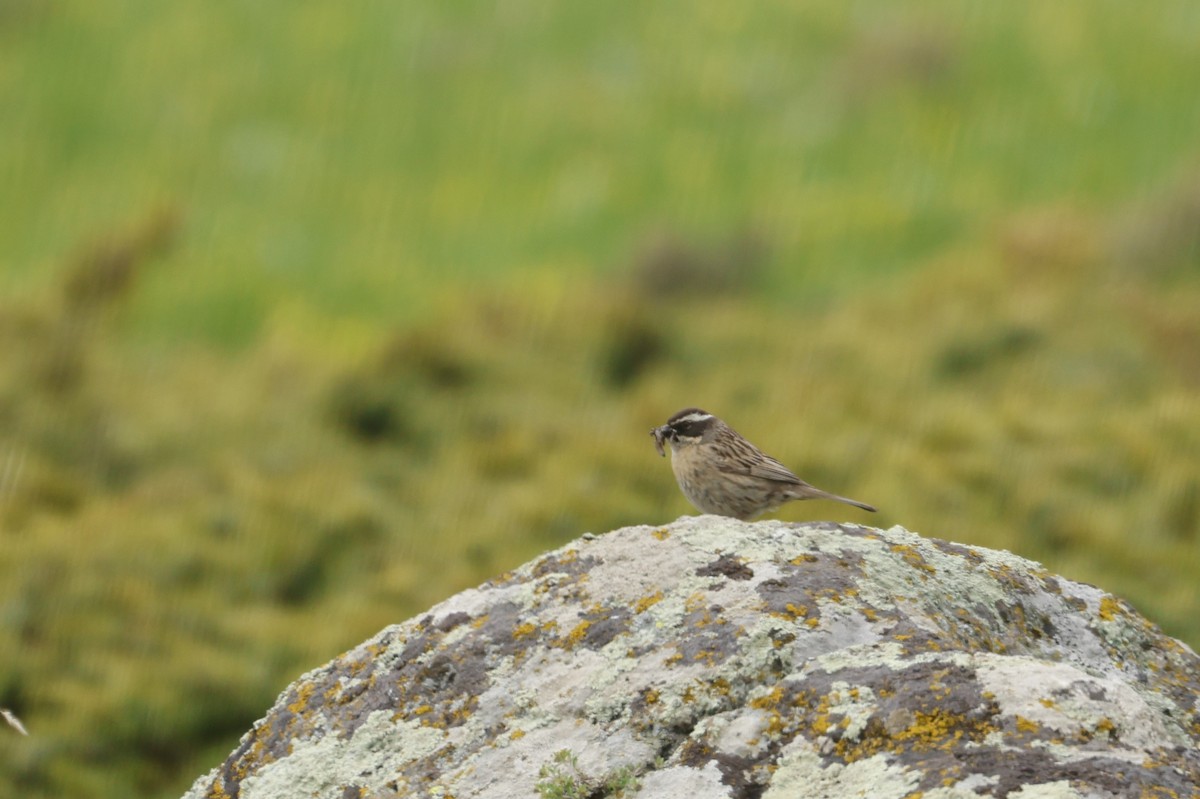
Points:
(720, 472)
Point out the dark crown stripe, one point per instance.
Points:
(687, 412)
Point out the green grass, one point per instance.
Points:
(347, 155)
(314, 315)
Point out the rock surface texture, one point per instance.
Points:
(717, 658)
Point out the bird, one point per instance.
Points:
(722, 473)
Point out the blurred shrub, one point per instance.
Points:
(669, 266)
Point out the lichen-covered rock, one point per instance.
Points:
(716, 658)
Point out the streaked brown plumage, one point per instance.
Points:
(722, 473)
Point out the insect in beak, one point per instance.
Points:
(660, 434)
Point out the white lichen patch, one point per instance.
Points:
(614, 690)
(972, 787)
(566, 679)
(903, 564)
(743, 734)
(855, 705)
(644, 566)
(840, 629)
(717, 534)
(683, 781)
(320, 767)
(1069, 703)
(1059, 789)
(803, 772)
(514, 770)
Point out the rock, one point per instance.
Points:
(717, 658)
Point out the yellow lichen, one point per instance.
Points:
(647, 602)
(303, 694)
(1159, 792)
(1025, 725)
(662, 534)
(576, 635)
(913, 558)
(800, 560)
(820, 723)
(768, 700)
(524, 630)
(769, 703)
(217, 791)
(258, 754)
(516, 735)
(1109, 607)
(934, 730)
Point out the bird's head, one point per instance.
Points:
(686, 428)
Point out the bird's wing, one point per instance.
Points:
(772, 469)
(760, 465)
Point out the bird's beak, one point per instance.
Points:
(660, 435)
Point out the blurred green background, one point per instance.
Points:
(313, 314)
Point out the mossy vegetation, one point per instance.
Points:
(392, 297)
(562, 778)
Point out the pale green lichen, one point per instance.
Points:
(318, 766)
(802, 772)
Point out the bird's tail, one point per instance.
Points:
(854, 502)
(812, 492)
